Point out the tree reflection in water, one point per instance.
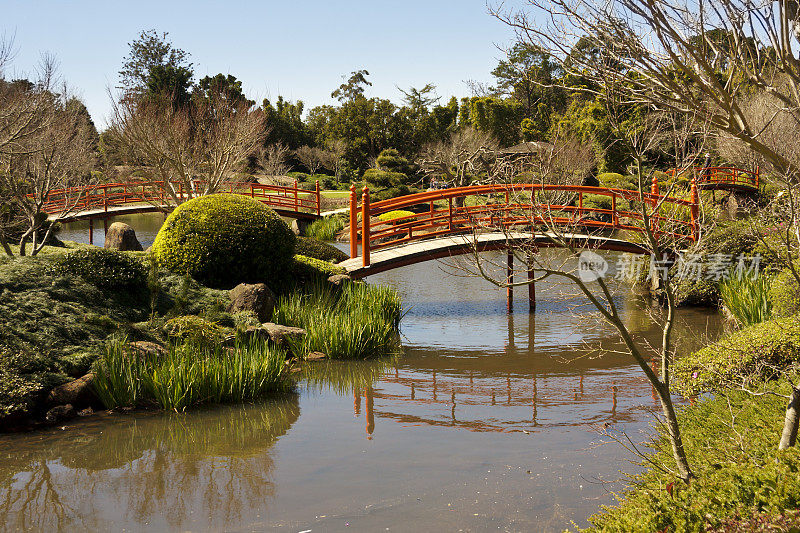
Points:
(146, 469)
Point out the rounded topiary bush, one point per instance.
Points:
(225, 239)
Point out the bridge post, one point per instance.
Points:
(365, 226)
(510, 280)
(318, 199)
(91, 230)
(695, 199)
(296, 207)
(353, 223)
(531, 285)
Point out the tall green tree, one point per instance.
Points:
(148, 51)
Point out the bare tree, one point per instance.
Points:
(701, 59)
(46, 146)
(661, 231)
(192, 149)
(273, 159)
(311, 157)
(336, 150)
(460, 160)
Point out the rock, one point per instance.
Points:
(121, 236)
(257, 298)
(86, 412)
(279, 333)
(78, 393)
(147, 350)
(60, 413)
(316, 356)
(339, 280)
(299, 227)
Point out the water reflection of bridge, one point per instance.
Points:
(440, 391)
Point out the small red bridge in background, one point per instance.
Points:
(722, 178)
(111, 199)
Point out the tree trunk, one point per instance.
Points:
(789, 435)
(4, 244)
(675, 439)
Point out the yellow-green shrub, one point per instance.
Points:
(225, 239)
(784, 294)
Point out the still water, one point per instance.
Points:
(486, 421)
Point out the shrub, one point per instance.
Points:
(190, 374)
(194, 329)
(107, 269)
(326, 229)
(384, 179)
(784, 294)
(309, 270)
(391, 215)
(746, 297)
(319, 250)
(775, 343)
(740, 472)
(225, 239)
(615, 180)
(357, 322)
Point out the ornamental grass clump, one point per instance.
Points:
(189, 374)
(746, 297)
(357, 322)
(326, 229)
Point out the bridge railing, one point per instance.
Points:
(106, 196)
(503, 207)
(722, 177)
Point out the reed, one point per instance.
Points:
(326, 229)
(357, 322)
(189, 374)
(746, 297)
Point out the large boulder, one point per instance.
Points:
(256, 298)
(122, 237)
(60, 413)
(78, 393)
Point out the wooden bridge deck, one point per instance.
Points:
(442, 247)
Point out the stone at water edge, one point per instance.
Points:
(316, 356)
(256, 298)
(78, 393)
(122, 237)
(60, 413)
(147, 349)
(279, 333)
(339, 280)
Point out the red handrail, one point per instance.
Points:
(110, 195)
(721, 177)
(505, 213)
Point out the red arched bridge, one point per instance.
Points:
(487, 217)
(722, 178)
(109, 199)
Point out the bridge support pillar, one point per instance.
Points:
(91, 231)
(105, 228)
(510, 280)
(531, 286)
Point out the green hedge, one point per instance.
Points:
(742, 478)
(776, 342)
(307, 269)
(107, 269)
(785, 294)
(225, 239)
(319, 250)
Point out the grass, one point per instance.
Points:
(746, 297)
(742, 478)
(189, 374)
(326, 229)
(357, 322)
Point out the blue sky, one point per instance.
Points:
(296, 49)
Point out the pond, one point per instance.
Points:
(486, 420)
